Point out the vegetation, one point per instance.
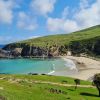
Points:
(86, 41)
(46, 87)
(42, 87)
(77, 82)
(97, 82)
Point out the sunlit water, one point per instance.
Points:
(25, 66)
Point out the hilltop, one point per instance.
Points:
(64, 39)
(86, 41)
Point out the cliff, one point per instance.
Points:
(85, 42)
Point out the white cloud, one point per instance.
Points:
(86, 16)
(26, 22)
(70, 26)
(54, 24)
(6, 13)
(90, 16)
(43, 6)
(62, 24)
(58, 24)
(31, 37)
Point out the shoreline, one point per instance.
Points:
(86, 67)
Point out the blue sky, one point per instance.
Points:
(22, 19)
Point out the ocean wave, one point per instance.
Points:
(70, 64)
(51, 72)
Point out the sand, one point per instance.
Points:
(86, 67)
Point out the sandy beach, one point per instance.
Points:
(86, 68)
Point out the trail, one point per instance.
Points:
(11, 80)
(67, 85)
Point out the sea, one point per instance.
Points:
(33, 65)
(1, 46)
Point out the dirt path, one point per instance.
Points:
(67, 85)
(11, 80)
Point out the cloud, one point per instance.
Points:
(26, 22)
(70, 26)
(85, 16)
(6, 11)
(62, 24)
(90, 16)
(43, 6)
(31, 37)
(57, 24)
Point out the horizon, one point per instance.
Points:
(26, 19)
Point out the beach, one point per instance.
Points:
(86, 68)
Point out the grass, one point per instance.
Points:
(39, 91)
(61, 39)
(46, 78)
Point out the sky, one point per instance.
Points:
(24, 19)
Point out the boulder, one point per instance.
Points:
(4, 54)
(16, 52)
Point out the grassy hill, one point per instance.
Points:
(64, 42)
(39, 87)
(64, 39)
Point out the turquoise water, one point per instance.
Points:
(25, 66)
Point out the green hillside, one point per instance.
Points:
(64, 39)
(42, 87)
(84, 41)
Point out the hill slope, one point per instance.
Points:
(65, 38)
(42, 87)
(59, 44)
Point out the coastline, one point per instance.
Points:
(86, 67)
(82, 68)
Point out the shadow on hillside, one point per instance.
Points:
(71, 90)
(2, 98)
(88, 94)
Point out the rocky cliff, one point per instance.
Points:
(85, 42)
(4, 53)
(10, 54)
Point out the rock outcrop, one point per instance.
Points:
(28, 51)
(4, 53)
(10, 54)
(16, 52)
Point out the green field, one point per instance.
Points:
(38, 87)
